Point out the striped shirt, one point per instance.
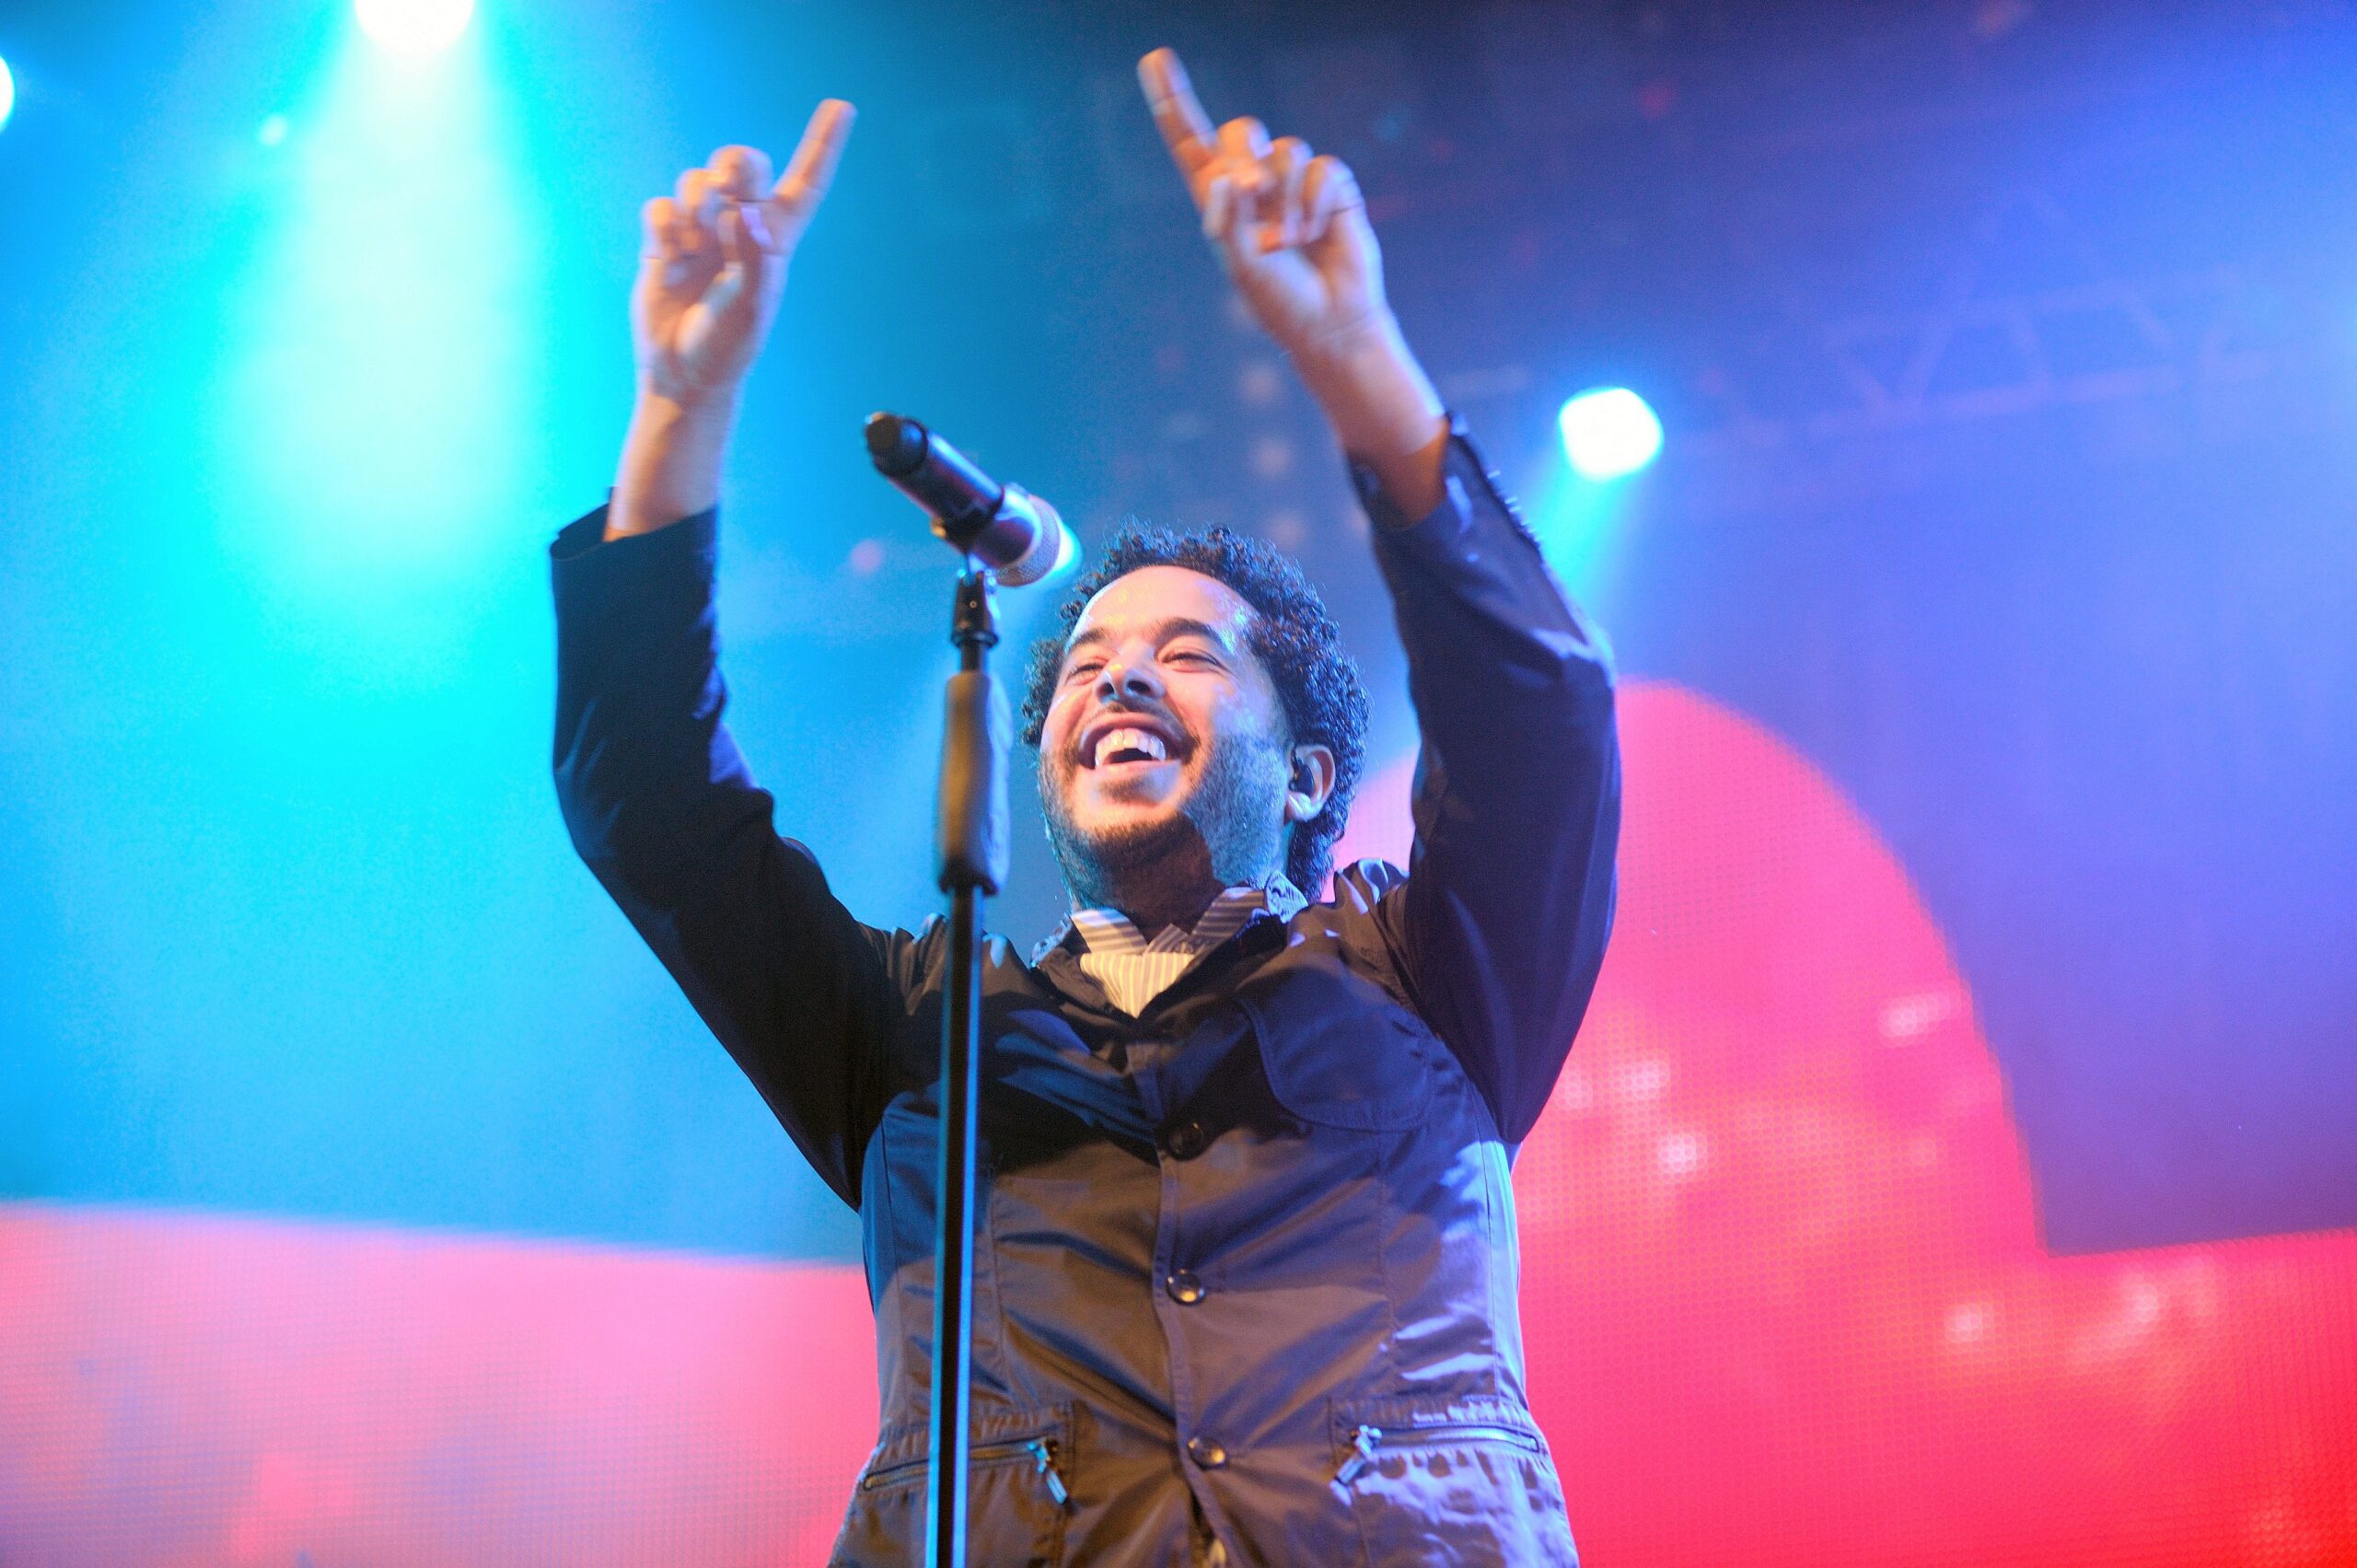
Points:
(1134, 970)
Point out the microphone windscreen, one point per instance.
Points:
(1053, 551)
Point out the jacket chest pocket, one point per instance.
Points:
(1469, 1488)
(1339, 1052)
(1018, 1498)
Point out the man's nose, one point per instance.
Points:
(1125, 678)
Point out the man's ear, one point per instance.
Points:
(1312, 782)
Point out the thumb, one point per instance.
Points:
(751, 265)
(734, 293)
(1228, 226)
(744, 240)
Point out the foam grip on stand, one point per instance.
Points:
(976, 727)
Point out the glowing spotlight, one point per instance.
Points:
(1609, 433)
(272, 132)
(414, 27)
(7, 93)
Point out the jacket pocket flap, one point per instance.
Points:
(1339, 1052)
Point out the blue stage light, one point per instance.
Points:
(373, 399)
(414, 27)
(1608, 432)
(8, 94)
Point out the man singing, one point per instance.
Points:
(1246, 1266)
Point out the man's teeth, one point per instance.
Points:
(1114, 742)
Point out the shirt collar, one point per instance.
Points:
(1110, 931)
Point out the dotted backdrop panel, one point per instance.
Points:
(1784, 1296)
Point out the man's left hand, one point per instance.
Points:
(1290, 226)
(1292, 230)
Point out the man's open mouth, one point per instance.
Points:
(1116, 747)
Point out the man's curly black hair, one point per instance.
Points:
(1293, 637)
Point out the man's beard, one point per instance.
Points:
(1230, 826)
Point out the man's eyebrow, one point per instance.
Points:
(1175, 626)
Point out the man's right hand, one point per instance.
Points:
(712, 268)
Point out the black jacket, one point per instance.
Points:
(1253, 1252)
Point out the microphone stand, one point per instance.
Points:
(971, 515)
(972, 842)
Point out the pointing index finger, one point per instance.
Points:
(1176, 113)
(812, 167)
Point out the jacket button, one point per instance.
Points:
(1184, 1288)
(1187, 1140)
(1207, 1453)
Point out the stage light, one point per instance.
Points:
(8, 94)
(377, 397)
(414, 27)
(1609, 433)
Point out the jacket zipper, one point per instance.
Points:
(1366, 1440)
(1041, 1451)
(1043, 1454)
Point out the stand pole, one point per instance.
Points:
(973, 863)
(953, 1311)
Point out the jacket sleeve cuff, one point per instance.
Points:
(588, 532)
(1474, 550)
(641, 581)
(1468, 484)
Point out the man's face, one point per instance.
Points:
(1165, 738)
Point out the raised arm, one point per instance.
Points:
(658, 800)
(1502, 925)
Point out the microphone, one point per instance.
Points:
(1012, 532)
